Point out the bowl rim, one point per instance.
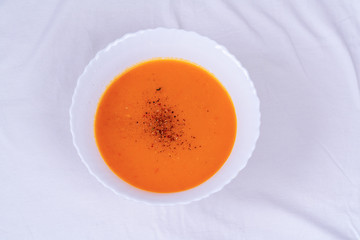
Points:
(134, 34)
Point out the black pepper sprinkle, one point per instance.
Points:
(161, 122)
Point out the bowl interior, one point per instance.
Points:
(164, 43)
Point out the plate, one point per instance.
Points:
(164, 43)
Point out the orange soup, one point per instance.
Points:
(165, 125)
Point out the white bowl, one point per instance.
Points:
(174, 43)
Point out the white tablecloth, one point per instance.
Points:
(303, 180)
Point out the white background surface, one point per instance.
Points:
(303, 181)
